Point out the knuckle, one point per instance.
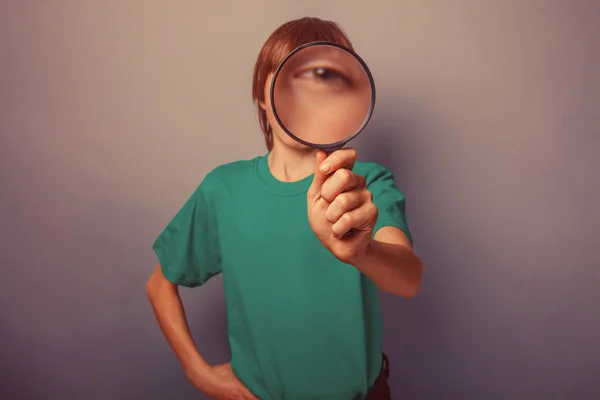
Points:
(348, 175)
(343, 200)
(346, 219)
(373, 209)
(326, 192)
(362, 181)
(345, 175)
(330, 214)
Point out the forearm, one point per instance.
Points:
(170, 314)
(393, 268)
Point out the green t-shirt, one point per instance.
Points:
(301, 323)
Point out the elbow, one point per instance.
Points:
(411, 292)
(150, 287)
(412, 288)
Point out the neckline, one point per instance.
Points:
(277, 186)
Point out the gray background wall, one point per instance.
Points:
(112, 112)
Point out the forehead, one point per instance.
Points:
(283, 44)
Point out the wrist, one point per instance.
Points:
(363, 259)
(195, 365)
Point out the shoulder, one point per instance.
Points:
(228, 174)
(373, 172)
(233, 170)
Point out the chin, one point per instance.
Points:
(290, 143)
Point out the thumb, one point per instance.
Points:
(315, 188)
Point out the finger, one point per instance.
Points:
(343, 158)
(315, 188)
(342, 180)
(346, 202)
(358, 218)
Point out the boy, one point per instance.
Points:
(301, 295)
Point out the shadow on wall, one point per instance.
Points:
(386, 141)
(413, 326)
(16, 379)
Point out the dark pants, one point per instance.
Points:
(380, 389)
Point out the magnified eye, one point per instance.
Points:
(325, 75)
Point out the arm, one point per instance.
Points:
(170, 314)
(391, 264)
(189, 255)
(343, 202)
(216, 381)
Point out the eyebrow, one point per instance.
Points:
(323, 53)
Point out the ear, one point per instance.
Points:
(262, 105)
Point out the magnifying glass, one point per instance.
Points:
(322, 95)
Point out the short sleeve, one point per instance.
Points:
(390, 202)
(188, 248)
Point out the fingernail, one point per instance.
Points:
(325, 167)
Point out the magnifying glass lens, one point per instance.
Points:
(322, 95)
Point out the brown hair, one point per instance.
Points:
(281, 42)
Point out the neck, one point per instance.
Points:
(291, 165)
